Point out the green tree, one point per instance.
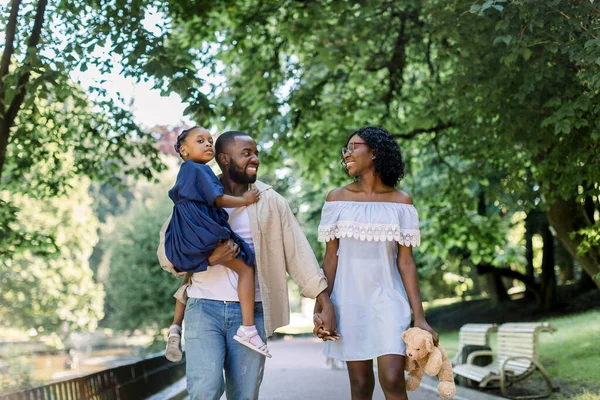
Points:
(51, 130)
(54, 293)
(502, 95)
(139, 292)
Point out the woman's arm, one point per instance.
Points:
(330, 262)
(408, 271)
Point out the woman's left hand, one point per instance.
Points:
(421, 323)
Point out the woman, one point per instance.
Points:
(370, 228)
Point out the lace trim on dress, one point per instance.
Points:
(370, 232)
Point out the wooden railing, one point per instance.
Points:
(132, 381)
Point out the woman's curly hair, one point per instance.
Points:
(389, 165)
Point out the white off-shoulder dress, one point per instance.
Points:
(370, 302)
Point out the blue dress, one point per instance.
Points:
(197, 225)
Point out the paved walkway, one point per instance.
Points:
(297, 371)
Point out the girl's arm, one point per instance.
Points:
(408, 271)
(227, 201)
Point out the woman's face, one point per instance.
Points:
(358, 156)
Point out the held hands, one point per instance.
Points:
(421, 323)
(251, 196)
(325, 325)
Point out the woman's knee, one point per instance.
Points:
(392, 380)
(362, 387)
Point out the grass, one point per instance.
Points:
(586, 395)
(572, 353)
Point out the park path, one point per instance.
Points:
(297, 371)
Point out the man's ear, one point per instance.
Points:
(223, 159)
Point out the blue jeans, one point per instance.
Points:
(209, 347)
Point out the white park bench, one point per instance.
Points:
(516, 359)
(473, 334)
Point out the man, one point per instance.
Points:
(213, 311)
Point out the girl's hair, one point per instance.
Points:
(181, 138)
(389, 165)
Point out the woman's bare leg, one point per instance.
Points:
(362, 379)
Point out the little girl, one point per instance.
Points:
(198, 224)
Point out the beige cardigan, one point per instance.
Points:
(280, 247)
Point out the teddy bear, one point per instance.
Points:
(424, 357)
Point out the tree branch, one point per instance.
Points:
(396, 65)
(412, 134)
(11, 114)
(33, 41)
(483, 268)
(11, 29)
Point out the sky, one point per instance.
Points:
(149, 108)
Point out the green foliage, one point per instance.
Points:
(56, 292)
(61, 128)
(15, 238)
(499, 100)
(55, 131)
(15, 375)
(139, 292)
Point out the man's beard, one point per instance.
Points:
(239, 175)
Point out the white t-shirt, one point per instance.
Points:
(219, 282)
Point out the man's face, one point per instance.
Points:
(243, 156)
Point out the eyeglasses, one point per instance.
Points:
(350, 147)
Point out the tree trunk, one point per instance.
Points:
(9, 38)
(585, 283)
(566, 217)
(493, 277)
(496, 289)
(590, 208)
(565, 262)
(9, 114)
(548, 281)
(529, 231)
(530, 225)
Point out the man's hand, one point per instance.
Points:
(224, 252)
(421, 323)
(325, 330)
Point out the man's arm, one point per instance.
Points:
(302, 264)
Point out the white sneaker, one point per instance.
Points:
(173, 351)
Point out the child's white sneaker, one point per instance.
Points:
(248, 336)
(173, 351)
